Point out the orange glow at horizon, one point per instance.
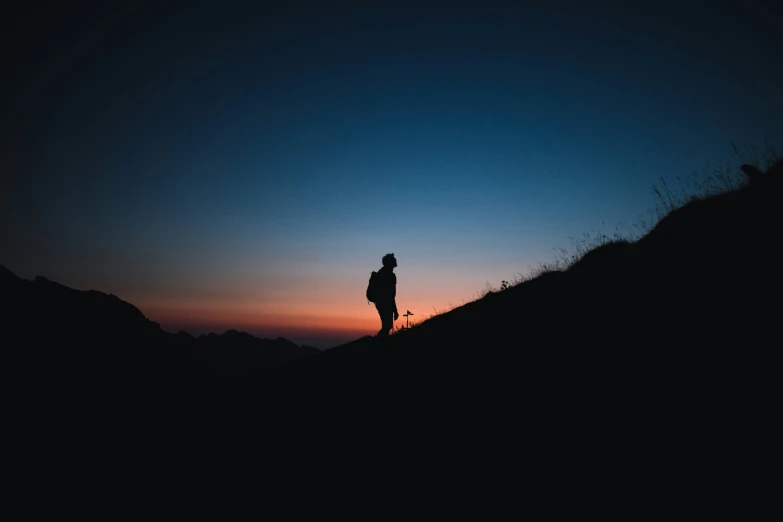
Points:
(354, 318)
(327, 306)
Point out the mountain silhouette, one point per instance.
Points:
(641, 358)
(78, 336)
(682, 301)
(678, 328)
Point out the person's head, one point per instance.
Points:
(389, 261)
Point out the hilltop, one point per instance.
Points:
(688, 308)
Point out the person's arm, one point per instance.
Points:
(394, 297)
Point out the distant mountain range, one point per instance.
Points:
(94, 333)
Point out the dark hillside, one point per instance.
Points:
(668, 344)
(685, 314)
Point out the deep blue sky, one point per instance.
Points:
(221, 166)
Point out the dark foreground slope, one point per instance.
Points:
(683, 322)
(654, 362)
(647, 372)
(692, 304)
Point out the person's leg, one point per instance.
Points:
(387, 319)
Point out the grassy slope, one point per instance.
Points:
(681, 312)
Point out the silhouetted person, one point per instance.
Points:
(386, 302)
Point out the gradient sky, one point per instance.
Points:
(221, 166)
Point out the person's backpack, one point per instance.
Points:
(372, 287)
